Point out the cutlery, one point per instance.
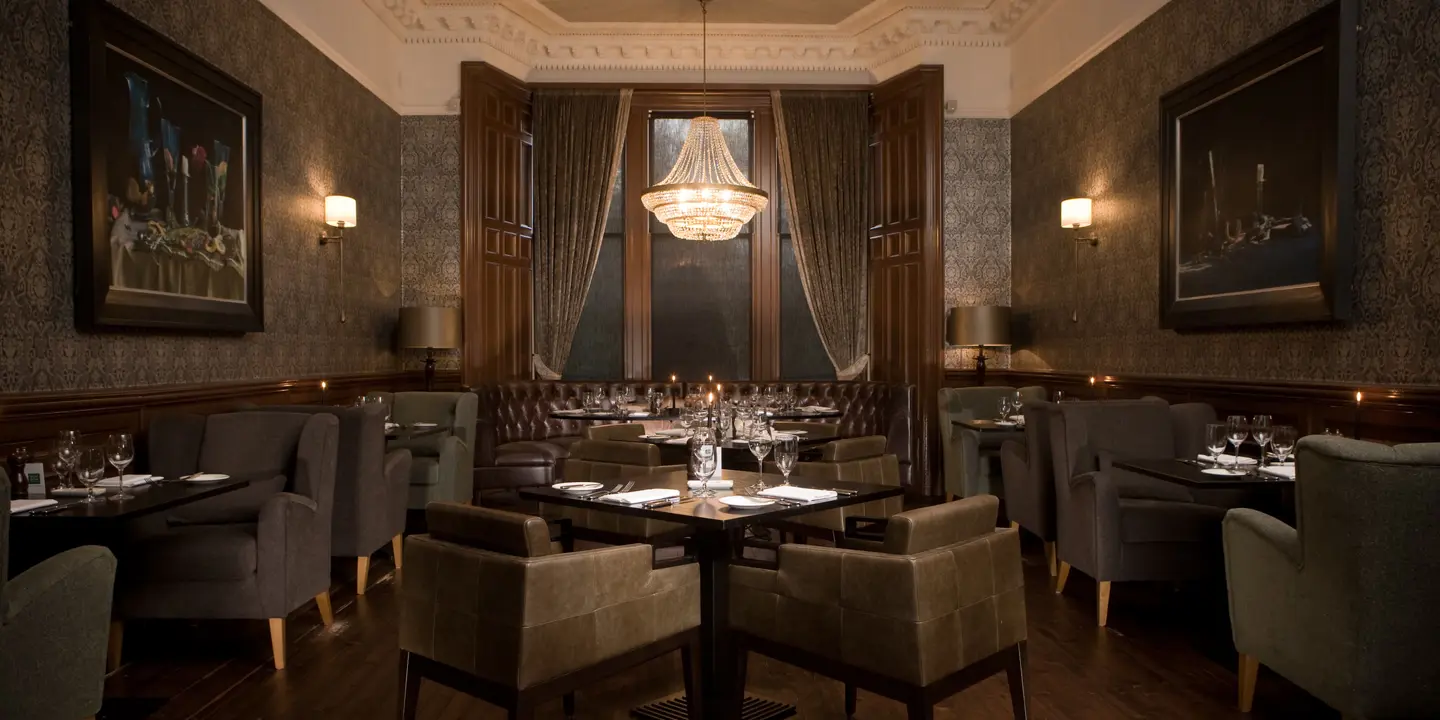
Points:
(1196, 463)
(50, 509)
(845, 493)
(654, 504)
(602, 493)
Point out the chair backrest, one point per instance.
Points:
(602, 460)
(1081, 432)
(928, 528)
(617, 431)
(811, 428)
(454, 409)
(499, 531)
(861, 460)
(1030, 500)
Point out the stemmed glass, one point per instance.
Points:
(1236, 430)
(1283, 440)
(120, 450)
(761, 439)
(702, 460)
(1216, 438)
(1004, 408)
(787, 451)
(67, 451)
(1261, 432)
(90, 466)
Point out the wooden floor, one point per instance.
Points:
(1167, 655)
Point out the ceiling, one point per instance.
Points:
(798, 12)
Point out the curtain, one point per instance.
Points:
(579, 136)
(823, 140)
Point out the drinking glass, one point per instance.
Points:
(789, 400)
(1236, 430)
(1216, 437)
(120, 450)
(761, 439)
(90, 466)
(67, 450)
(1004, 407)
(1059, 396)
(1015, 402)
(787, 451)
(1283, 440)
(1260, 431)
(702, 460)
(587, 400)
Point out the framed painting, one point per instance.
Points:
(166, 182)
(1257, 182)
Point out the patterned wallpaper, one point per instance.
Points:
(1097, 134)
(430, 219)
(323, 133)
(977, 223)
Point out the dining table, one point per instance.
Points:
(597, 415)
(716, 533)
(1275, 493)
(410, 432)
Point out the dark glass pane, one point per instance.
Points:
(802, 355)
(667, 136)
(597, 352)
(700, 308)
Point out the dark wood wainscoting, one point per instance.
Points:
(1387, 414)
(34, 419)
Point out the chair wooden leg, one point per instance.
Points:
(1015, 670)
(397, 546)
(850, 701)
(409, 688)
(362, 574)
(1061, 577)
(567, 705)
(920, 709)
(524, 708)
(1249, 669)
(117, 641)
(322, 601)
(691, 669)
(1050, 558)
(1014, 525)
(277, 641)
(1102, 601)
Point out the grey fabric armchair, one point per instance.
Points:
(53, 623)
(1345, 605)
(965, 454)
(1028, 472)
(259, 552)
(442, 466)
(372, 487)
(1115, 525)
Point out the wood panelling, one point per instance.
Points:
(906, 264)
(496, 229)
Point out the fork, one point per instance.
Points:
(600, 493)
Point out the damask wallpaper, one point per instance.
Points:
(976, 213)
(430, 219)
(323, 134)
(1096, 134)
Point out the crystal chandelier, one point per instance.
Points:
(705, 196)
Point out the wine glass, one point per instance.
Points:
(1236, 430)
(702, 460)
(90, 466)
(67, 450)
(120, 450)
(1216, 438)
(1283, 440)
(787, 451)
(1261, 432)
(762, 438)
(1004, 407)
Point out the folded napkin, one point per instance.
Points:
(677, 441)
(574, 411)
(716, 484)
(75, 492)
(801, 494)
(1284, 471)
(23, 505)
(673, 432)
(815, 408)
(129, 481)
(391, 425)
(640, 497)
(1228, 459)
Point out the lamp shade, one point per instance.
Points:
(979, 325)
(1076, 213)
(429, 327)
(340, 211)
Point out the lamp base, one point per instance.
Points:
(980, 365)
(429, 369)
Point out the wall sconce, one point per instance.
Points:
(339, 214)
(1075, 214)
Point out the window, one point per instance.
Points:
(597, 352)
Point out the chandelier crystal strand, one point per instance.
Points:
(705, 197)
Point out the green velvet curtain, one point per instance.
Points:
(579, 136)
(823, 142)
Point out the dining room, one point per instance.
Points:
(718, 359)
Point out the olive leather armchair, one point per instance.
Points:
(492, 607)
(938, 606)
(54, 620)
(611, 462)
(1344, 604)
(442, 466)
(860, 460)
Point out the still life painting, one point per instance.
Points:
(169, 176)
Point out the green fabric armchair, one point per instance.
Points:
(442, 466)
(966, 457)
(1345, 605)
(54, 627)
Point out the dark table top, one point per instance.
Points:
(1183, 472)
(741, 445)
(406, 433)
(707, 513)
(148, 499)
(668, 414)
(987, 426)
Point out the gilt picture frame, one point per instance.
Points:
(166, 182)
(1258, 182)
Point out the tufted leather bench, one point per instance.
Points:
(520, 444)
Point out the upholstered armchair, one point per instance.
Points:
(938, 606)
(372, 487)
(1115, 525)
(1344, 605)
(966, 455)
(1028, 472)
(491, 607)
(611, 462)
(442, 466)
(259, 552)
(861, 460)
(616, 431)
(54, 619)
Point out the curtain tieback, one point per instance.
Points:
(852, 372)
(542, 370)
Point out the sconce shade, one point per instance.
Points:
(979, 325)
(1075, 212)
(430, 327)
(340, 209)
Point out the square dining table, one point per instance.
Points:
(1271, 494)
(715, 532)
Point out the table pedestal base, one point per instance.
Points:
(677, 708)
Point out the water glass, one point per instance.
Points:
(1216, 438)
(787, 451)
(1237, 428)
(90, 466)
(1283, 440)
(703, 459)
(1260, 431)
(1004, 407)
(760, 440)
(67, 450)
(120, 451)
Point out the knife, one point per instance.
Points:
(846, 493)
(50, 509)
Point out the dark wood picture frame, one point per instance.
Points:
(1330, 31)
(97, 31)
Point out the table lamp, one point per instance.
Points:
(979, 326)
(430, 328)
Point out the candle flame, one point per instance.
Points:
(1359, 396)
(672, 378)
(710, 397)
(1092, 379)
(324, 385)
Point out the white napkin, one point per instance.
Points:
(802, 494)
(129, 481)
(574, 411)
(640, 497)
(1284, 471)
(677, 441)
(673, 432)
(1228, 459)
(23, 505)
(716, 484)
(391, 425)
(424, 425)
(816, 408)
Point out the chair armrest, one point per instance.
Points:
(1262, 577)
(456, 469)
(1090, 524)
(52, 585)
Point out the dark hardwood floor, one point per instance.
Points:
(1167, 655)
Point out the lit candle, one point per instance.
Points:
(323, 387)
(710, 398)
(709, 378)
(672, 392)
(1358, 397)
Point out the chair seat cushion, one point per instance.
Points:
(239, 506)
(198, 552)
(530, 453)
(424, 471)
(1156, 521)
